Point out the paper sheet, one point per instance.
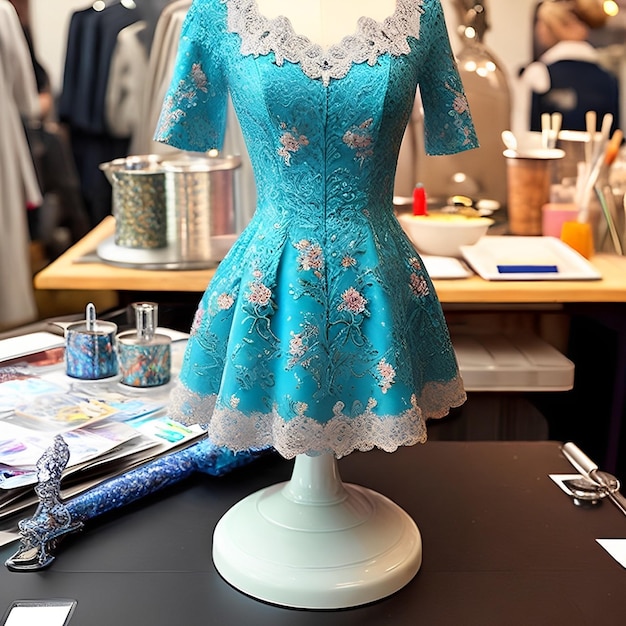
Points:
(616, 548)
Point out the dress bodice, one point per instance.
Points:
(323, 127)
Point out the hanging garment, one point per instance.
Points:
(321, 330)
(129, 65)
(158, 76)
(92, 36)
(18, 180)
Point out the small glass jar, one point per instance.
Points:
(144, 355)
(90, 352)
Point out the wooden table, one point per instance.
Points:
(75, 270)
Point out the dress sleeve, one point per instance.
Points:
(448, 126)
(193, 116)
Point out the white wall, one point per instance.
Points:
(510, 34)
(509, 37)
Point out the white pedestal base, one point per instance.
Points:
(316, 543)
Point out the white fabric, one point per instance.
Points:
(158, 77)
(570, 51)
(18, 181)
(129, 65)
(536, 77)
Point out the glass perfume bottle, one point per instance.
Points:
(144, 355)
(90, 348)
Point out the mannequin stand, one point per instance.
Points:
(316, 543)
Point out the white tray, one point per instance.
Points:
(527, 258)
(442, 267)
(519, 361)
(167, 258)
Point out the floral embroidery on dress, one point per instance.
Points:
(296, 347)
(291, 141)
(387, 375)
(300, 408)
(300, 344)
(199, 77)
(348, 261)
(460, 112)
(197, 320)
(225, 301)
(259, 293)
(418, 285)
(259, 305)
(311, 256)
(414, 262)
(459, 104)
(353, 301)
(171, 115)
(359, 138)
(184, 96)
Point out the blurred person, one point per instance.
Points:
(567, 76)
(61, 219)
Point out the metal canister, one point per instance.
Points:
(139, 203)
(200, 206)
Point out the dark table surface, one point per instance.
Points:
(502, 545)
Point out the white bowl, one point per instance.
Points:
(443, 234)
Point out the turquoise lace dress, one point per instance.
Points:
(320, 331)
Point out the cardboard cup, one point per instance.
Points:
(528, 181)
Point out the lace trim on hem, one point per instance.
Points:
(303, 435)
(261, 35)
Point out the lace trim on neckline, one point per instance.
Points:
(261, 35)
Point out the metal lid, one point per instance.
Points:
(135, 164)
(202, 164)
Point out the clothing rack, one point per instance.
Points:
(92, 38)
